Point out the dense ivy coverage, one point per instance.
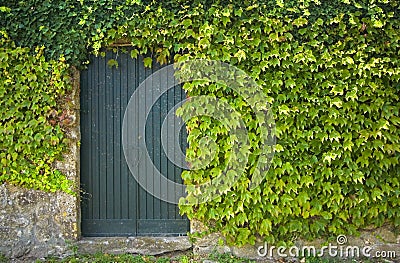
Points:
(331, 73)
(66, 28)
(31, 137)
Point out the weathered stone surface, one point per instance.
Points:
(134, 245)
(205, 250)
(33, 223)
(209, 243)
(390, 252)
(247, 251)
(386, 235)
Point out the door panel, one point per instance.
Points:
(113, 204)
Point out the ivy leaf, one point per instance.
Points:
(301, 21)
(302, 198)
(134, 53)
(148, 62)
(326, 215)
(241, 55)
(186, 22)
(266, 226)
(112, 63)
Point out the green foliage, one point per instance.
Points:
(215, 257)
(330, 70)
(228, 258)
(3, 258)
(65, 28)
(333, 81)
(103, 257)
(339, 260)
(32, 136)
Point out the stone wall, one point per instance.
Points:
(35, 223)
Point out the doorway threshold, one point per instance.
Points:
(142, 245)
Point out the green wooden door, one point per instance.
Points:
(113, 204)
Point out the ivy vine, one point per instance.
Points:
(331, 72)
(32, 137)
